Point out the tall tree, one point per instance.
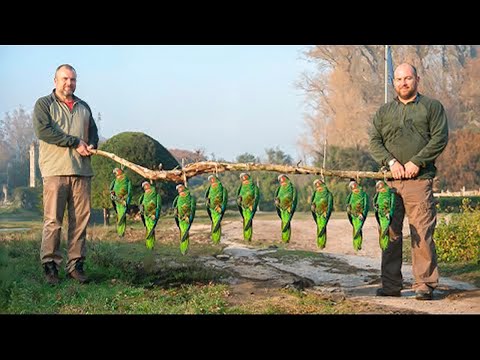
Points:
(16, 136)
(348, 86)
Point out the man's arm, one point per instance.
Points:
(439, 136)
(377, 148)
(92, 129)
(46, 130)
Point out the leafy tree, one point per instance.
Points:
(140, 149)
(459, 164)
(247, 158)
(277, 156)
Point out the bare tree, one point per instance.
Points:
(348, 86)
(16, 136)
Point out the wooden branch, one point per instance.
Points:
(198, 168)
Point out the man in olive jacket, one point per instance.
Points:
(67, 132)
(408, 134)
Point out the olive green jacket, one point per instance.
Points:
(416, 132)
(59, 131)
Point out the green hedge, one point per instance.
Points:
(457, 236)
(454, 204)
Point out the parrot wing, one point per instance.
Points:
(158, 209)
(313, 206)
(207, 201)
(256, 199)
(329, 205)
(238, 202)
(175, 211)
(141, 211)
(277, 202)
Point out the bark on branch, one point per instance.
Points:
(198, 168)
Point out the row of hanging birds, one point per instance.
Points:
(216, 197)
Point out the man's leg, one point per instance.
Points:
(78, 218)
(55, 192)
(422, 216)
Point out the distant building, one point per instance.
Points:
(33, 163)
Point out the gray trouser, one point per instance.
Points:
(415, 199)
(58, 192)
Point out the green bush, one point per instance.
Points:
(458, 235)
(454, 204)
(139, 149)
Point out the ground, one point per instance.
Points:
(262, 267)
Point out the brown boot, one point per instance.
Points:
(78, 273)
(51, 273)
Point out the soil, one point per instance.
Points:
(337, 270)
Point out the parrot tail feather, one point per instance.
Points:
(247, 233)
(322, 238)
(121, 220)
(384, 240)
(184, 245)
(357, 240)
(286, 232)
(216, 233)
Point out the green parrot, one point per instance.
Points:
(150, 206)
(121, 194)
(357, 210)
(184, 206)
(384, 205)
(216, 198)
(248, 196)
(285, 204)
(321, 206)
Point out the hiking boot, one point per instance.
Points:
(51, 273)
(382, 292)
(423, 295)
(78, 274)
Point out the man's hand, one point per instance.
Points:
(84, 149)
(411, 170)
(397, 170)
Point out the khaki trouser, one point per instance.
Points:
(415, 199)
(58, 191)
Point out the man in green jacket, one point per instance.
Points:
(407, 135)
(67, 132)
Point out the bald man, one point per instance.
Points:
(407, 135)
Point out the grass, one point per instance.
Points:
(129, 279)
(126, 278)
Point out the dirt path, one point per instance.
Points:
(336, 270)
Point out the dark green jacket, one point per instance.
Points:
(59, 131)
(416, 132)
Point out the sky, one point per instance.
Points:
(224, 99)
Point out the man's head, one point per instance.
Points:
(406, 82)
(65, 81)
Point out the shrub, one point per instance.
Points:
(458, 235)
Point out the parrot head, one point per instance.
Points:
(380, 186)
(181, 189)
(117, 171)
(353, 185)
(212, 179)
(244, 177)
(146, 186)
(283, 179)
(318, 184)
